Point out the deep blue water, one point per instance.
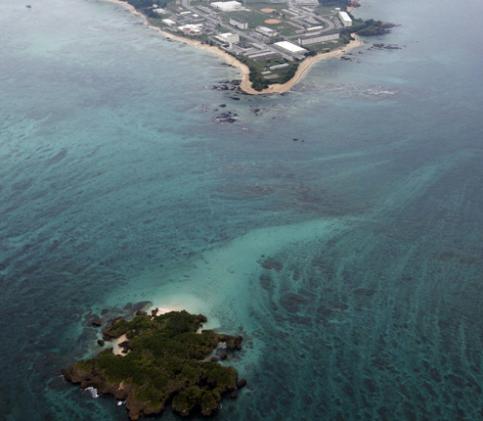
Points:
(117, 185)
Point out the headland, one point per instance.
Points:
(273, 45)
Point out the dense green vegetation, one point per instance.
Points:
(370, 27)
(258, 80)
(167, 361)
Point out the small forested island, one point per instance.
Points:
(272, 42)
(166, 360)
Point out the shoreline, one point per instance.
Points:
(245, 84)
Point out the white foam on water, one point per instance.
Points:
(92, 391)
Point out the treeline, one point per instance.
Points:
(259, 82)
(370, 27)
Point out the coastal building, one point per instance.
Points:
(169, 22)
(291, 48)
(310, 40)
(160, 11)
(238, 24)
(228, 37)
(279, 66)
(300, 3)
(345, 19)
(263, 55)
(268, 32)
(191, 29)
(227, 6)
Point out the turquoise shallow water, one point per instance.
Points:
(117, 185)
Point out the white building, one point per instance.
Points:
(191, 29)
(345, 19)
(290, 48)
(238, 24)
(169, 22)
(228, 37)
(227, 6)
(310, 40)
(279, 66)
(268, 32)
(300, 3)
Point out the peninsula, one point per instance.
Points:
(159, 360)
(273, 43)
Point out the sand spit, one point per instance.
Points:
(246, 85)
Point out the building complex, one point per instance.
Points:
(270, 37)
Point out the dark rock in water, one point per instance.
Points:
(100, 342)
(222, 355)
(95, 321)
(235, 98)
(382, 46)
(222, 105)
(28, 6)
(346, 58)
(228, 85)
(226, 117)
(234, 343)
(241, 383)
(295, 139)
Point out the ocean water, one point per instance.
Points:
(351, 259)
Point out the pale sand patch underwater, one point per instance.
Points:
(246, 85)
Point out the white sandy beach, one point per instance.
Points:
(246, 85)
(116, 349)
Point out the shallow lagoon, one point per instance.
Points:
(117, 185)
